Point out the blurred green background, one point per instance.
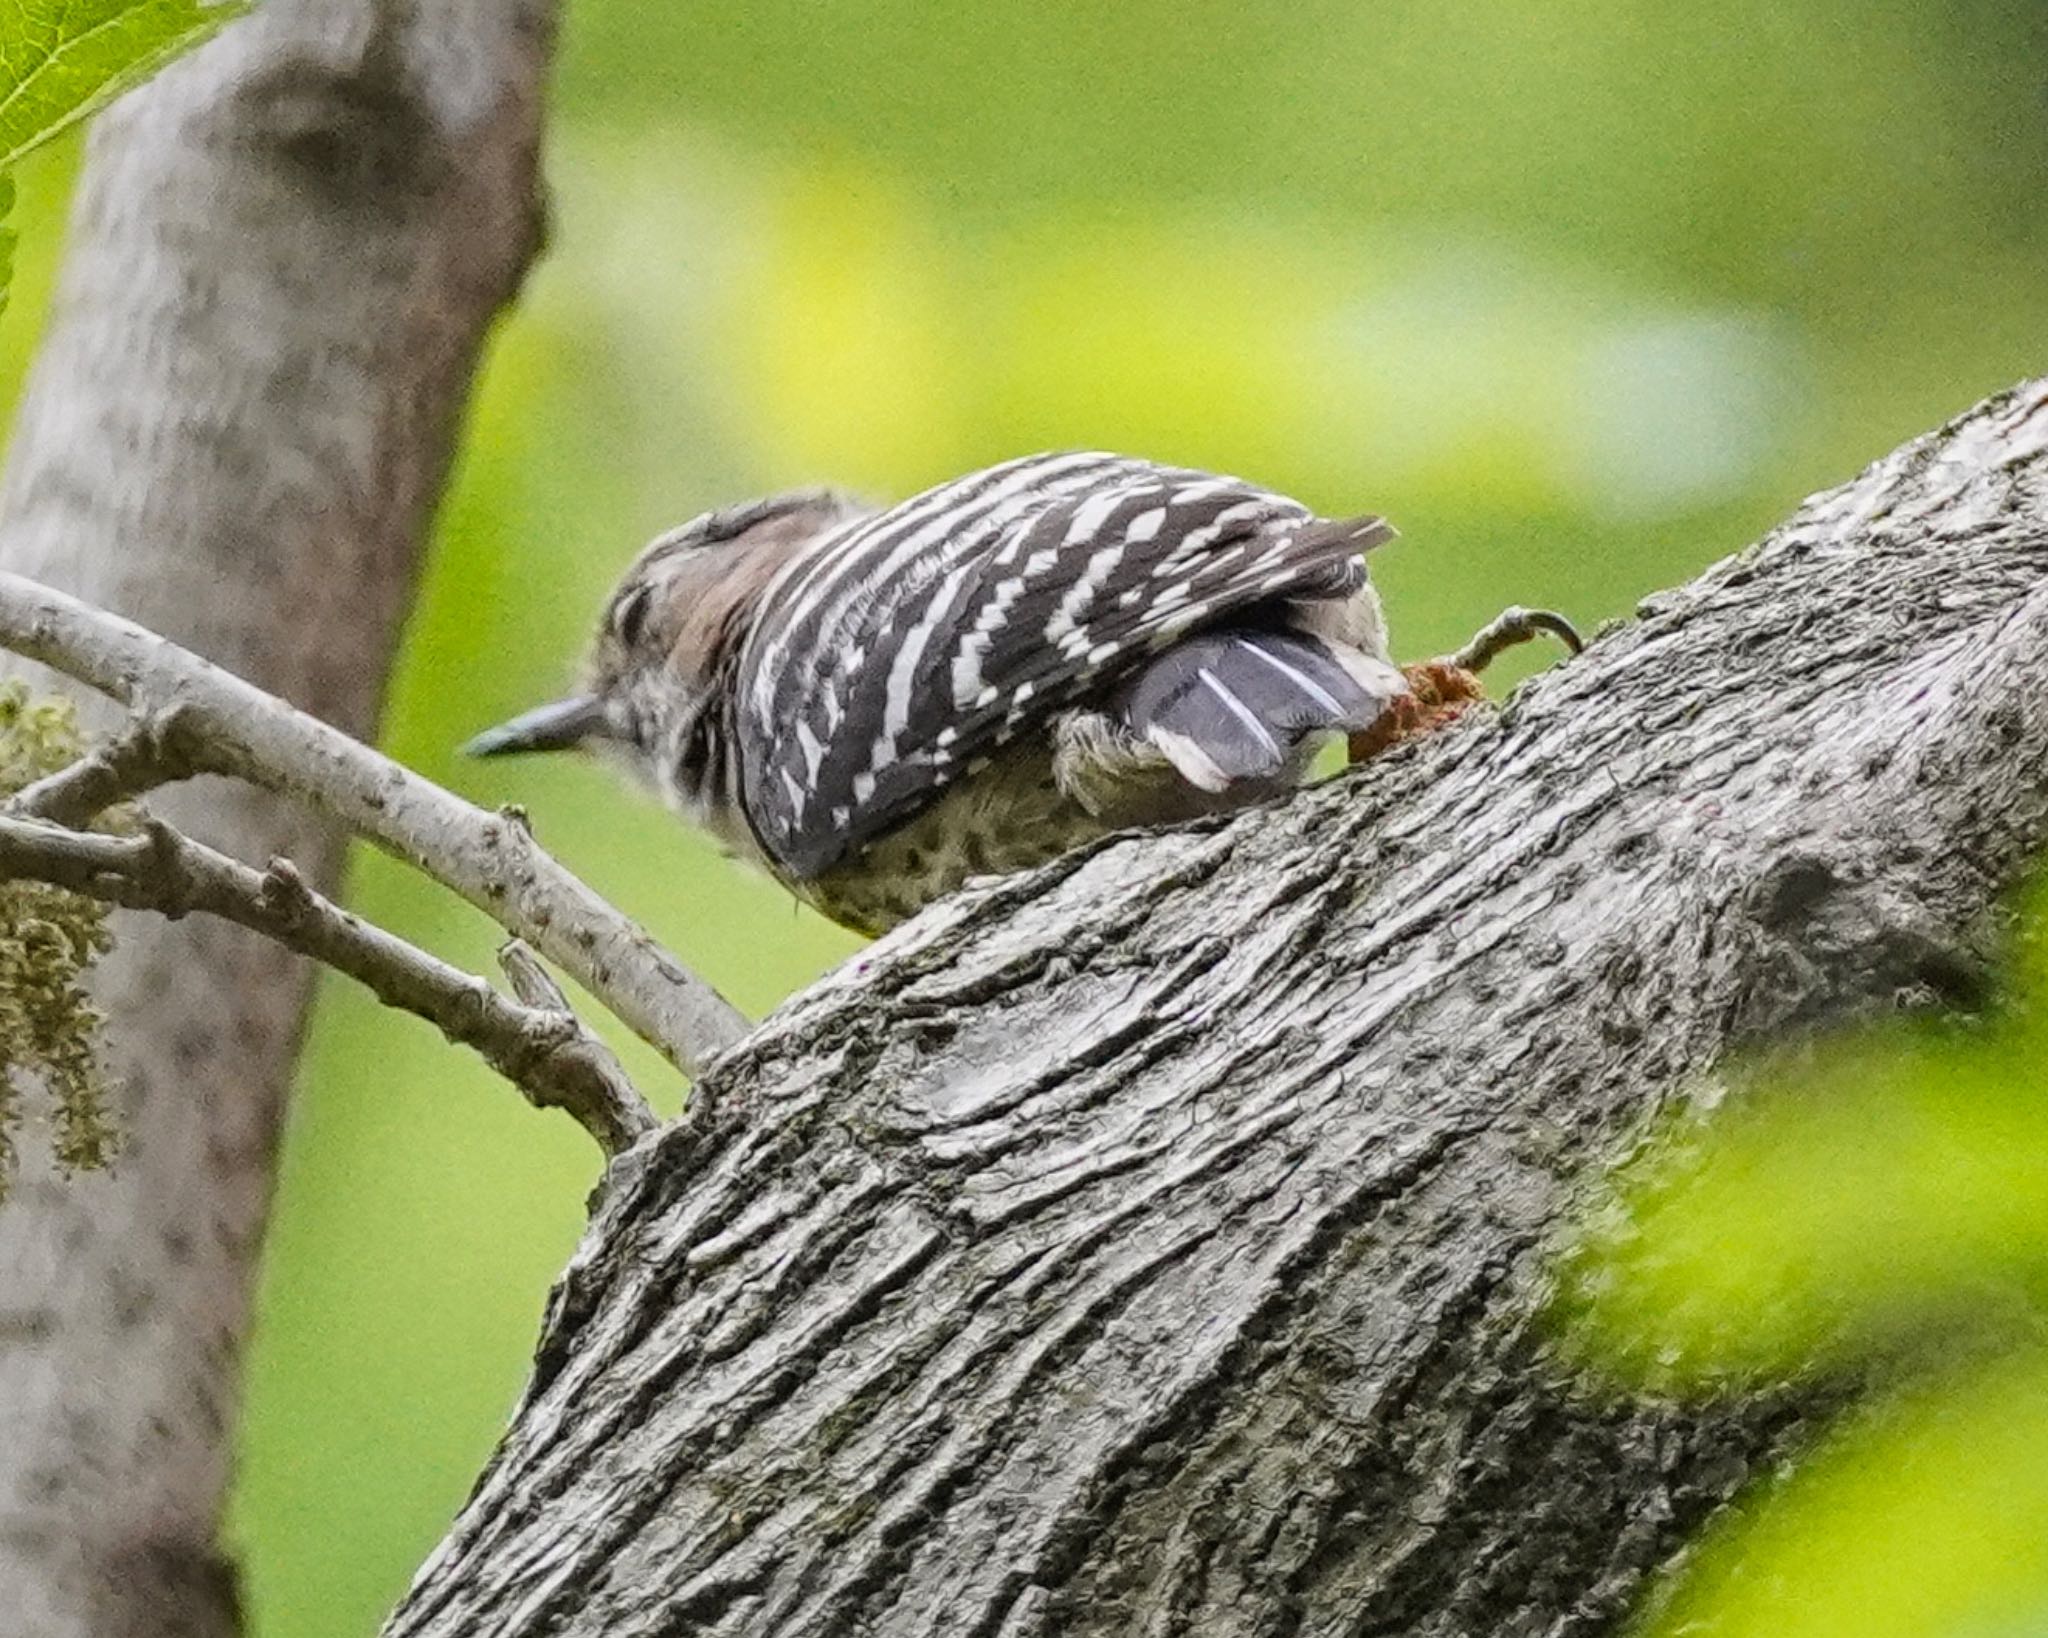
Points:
(1583, 295)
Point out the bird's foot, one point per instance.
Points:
(1510, 627)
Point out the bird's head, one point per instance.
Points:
(668, 639)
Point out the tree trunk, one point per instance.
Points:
(1156, 1244)
(283, 259)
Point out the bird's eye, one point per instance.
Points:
(629, 618)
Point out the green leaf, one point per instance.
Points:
(61, 60)
(1927, 1518)
(1881, 1204)
(6, 238)
(1865, 1198)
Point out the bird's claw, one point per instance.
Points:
(1509, 628)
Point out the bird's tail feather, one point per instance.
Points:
(1237, 705)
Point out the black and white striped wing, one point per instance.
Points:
(900, 651)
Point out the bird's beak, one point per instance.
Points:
(560, 726)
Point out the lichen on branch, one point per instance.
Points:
(50, 1030)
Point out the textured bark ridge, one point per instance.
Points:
(1155, 1244)
(284, 256)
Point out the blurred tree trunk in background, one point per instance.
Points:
(285, 254)
(1160, 1243)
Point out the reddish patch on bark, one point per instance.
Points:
(1438, 692)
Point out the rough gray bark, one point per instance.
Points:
(283, 259)
(1156, 1244)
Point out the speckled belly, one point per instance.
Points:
(1014, 815)
(1009, 818)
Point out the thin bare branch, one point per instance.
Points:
(536, 988)
(232, 727)
(530, 981)
(545, 1051)
(150, 751)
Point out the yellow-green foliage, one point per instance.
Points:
(49, 1028)
(1885, 1209)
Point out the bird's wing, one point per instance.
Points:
(1236, 704)
(942, 628)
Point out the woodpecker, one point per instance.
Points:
(875, 705)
